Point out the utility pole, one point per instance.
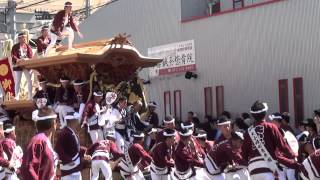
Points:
(11, 18)
(88, 5)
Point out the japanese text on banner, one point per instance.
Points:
(177, 57)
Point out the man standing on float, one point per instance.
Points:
(63, 25)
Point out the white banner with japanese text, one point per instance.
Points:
(177, 57)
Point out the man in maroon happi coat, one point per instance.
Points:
(43, 41)
(134, 153)
(68, 148)
(39, 160)
(269, 137)
(189, 157)
(63, 25)
(102, 152)
(162, 155)
(20, 52)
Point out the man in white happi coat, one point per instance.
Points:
(12, 152)
(91, 117)
(118, 117)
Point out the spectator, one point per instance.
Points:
(316, 119)
(152, 116)
(303, 133)
(247, 119)
(312, 129)
(194, 119)
(226, 114)
(285, 123)
(239, 124)
(211, 128)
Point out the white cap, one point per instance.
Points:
(98, 93)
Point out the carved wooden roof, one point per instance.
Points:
(116, 61)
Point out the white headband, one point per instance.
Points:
(189, 133)
(187, 126)
(45, 100)
(168, 134)
(239, 134)
(46, 117)
(272, 117)
(77, 84)
(9, 130)
(262, 110)
(167, 122)
(64, 80)
(96, 94)
(313, 143)
(224, 123)
(138, 135)
(200, 136)
(110, 134)
(152, 130)
(75, 116)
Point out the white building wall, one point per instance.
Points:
(245, 51)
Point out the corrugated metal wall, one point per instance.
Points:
(246, 51)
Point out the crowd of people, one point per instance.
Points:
(140, 146)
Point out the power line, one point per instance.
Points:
(83, 10)
(79, 11)
(32, 4)
(25, 3)
(38, 3)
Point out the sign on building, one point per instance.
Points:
(177, 57)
